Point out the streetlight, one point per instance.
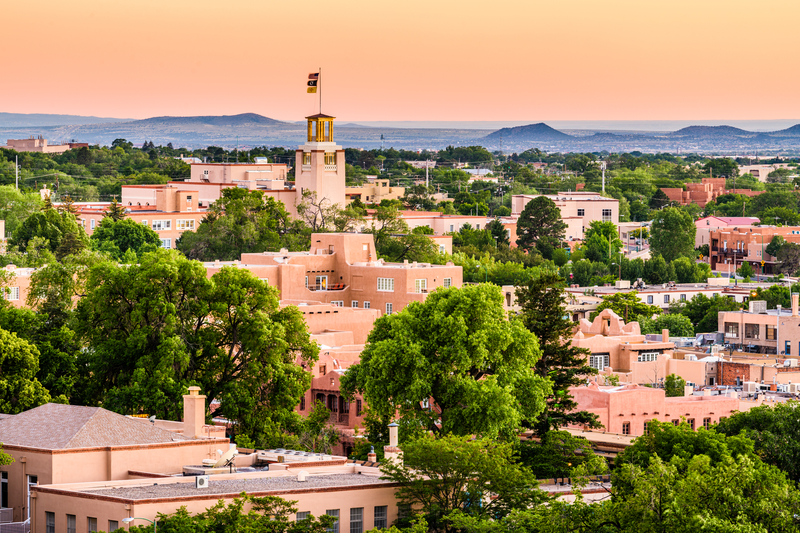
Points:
(132, 518)
(485, 271)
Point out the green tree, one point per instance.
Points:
(162, 325)
(677, 324)
(556, 455)
(316, 434)
(5, 459)
(774, 245)
(458, 349)
(477, 477)
(721, 167)
(789, 258)
(627, 306)
(672, 234)
(115, 211)
(540, 225)
(543, 312)
(19, 388)
(703, 311)
(674, 386)
(499, 232)
(745, 271)
(118, 236)
(51, 226)
(774, 431)
(659, 200)
(16, 206)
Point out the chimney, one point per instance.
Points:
(194, 413)
(664, 335)
(795, 298)
(392, 452)
(372, 456)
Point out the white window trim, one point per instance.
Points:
(366, 305)
(389, 308)
(647, 357)
(447, 282)
(385, 284)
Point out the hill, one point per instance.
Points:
(528, 133)
(711, 131)
(244, 119)
(794, 131)
(22, 120)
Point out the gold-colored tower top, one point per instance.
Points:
(320, 128)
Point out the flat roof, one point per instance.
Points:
(218, 487)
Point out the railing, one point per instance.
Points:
(328, 287)
(6, 515)
(16, 527)
(330, 168)
(339, 418)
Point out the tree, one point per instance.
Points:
(499, 232)
(677, 324)
(774, 431)
(5, 459)
(52, 226)
(557, 453)
(16, 206)
(477, 477)
(774, 245)
(703, 311)
(316, 434)
(117, 236)
(745, 271)
(457, 350)
(540, 225)
(773, 216)
(19, 388)
(243, 221)
(674, 386)
(721, 167)
(789, 258)
(628, 306)
(543, 312)
(659, 200)
(115, 211)
(162, 325)
(319, 214)
(672, 234)
(419, 197)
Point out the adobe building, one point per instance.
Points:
(626, 409)
(708, 224)
(709, 189)
(578, 209)
(730, 247)
(56, 443)
(17, 289)
(39, 144)
(375, 192)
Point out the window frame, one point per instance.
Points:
(356, 520)
(385, 284)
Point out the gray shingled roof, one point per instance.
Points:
(55, 427)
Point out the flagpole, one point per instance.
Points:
(319, 76)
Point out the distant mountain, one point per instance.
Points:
(528, 133)
(711, 131)
(244, 119)
(22, 120)
(794, 131)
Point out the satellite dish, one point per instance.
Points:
(227, 458)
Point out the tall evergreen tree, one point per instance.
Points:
(115, 211)
(544, 314)
(540, 225)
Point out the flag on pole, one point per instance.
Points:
(312, 82)
(312, 90)
(314, 76)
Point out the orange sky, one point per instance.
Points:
(410, 60)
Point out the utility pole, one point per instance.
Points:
(426, 174)
(16, 170)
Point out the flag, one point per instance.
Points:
(314, 76)
(312, 83)
(312, 90)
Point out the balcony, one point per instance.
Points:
(340, 419)
(6, 515)
(330, 287)
(330, 168)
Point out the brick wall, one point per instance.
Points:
(728, 372)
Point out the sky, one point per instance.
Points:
(415, 60)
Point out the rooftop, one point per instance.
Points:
(55, 427)
(220, 486)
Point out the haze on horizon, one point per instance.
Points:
(511, 60)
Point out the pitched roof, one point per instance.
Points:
(55, 426)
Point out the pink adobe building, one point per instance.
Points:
(578, 209)
(708, 224)
(730, 247)
(40, 144)
(702, 193)
(17, 289)
(627, 409)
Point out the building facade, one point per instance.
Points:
(578, 209)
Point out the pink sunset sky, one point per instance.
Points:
(410, 60)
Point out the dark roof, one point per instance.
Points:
(320, 115)
(55, 427)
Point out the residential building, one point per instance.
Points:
(762, 330)
(16, 289)
(578, 209)
(40, 144)
(730, 247)
(761, 171)
(708, 224)
(374, 192)
(709, 189)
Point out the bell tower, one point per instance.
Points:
(319, 165)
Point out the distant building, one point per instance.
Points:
(374, 192)
(578, 209)
(761, 171)
(40, 144)
(708, 224)
(730, 247)
(702, 193)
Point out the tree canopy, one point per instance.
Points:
(672, 234)
(540, 226)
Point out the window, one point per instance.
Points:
(334, 513)
(92, 223)
(161, 225)
(71, 526)
(706, 423)
(144, 223)
(322, 370)
(626, 428)
(600, 361)
(357, 520)
(676, 422)
(420, 285)
(389, 308)
(442, 249)
(306, 158)
(358, 407)
(354, 303)
(330, 158)
(788, 348)
(321, 282)
(12, 293)
(447, 282)
(185, 225)
(380, 517)
(650, 299)
(647, 427)
(647, 357)
(581, 212)
(303, 403)
(772, 333)
(302, 515)
(683, 297)
(751, 331)
(4, 489)
(113, 525)
(189, 199)
(691, 423)
(606, 215)
(338, 303)
(666, 298)
(91, 524)
(366, 305)
(386, 284)
(49, 522)
(731, 329)
(166, 243)
(451, 228)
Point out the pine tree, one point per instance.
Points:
(544, 314)
(68, 205)
(115, 211)
(70, 245)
